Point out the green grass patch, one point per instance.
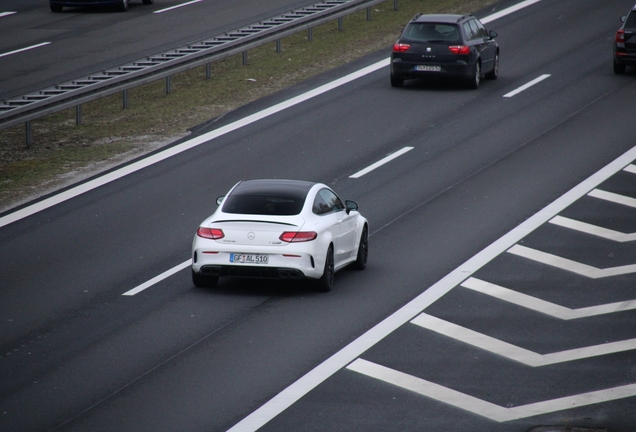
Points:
(61, 148)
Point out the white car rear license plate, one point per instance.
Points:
(428, 68)
(249, 258)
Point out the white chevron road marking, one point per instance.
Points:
(543, 306)
(593, 229)
(514, 352)
(630, 168)
(613, 197)
(482, 407)
(569, 265)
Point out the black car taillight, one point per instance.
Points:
(401, 47)
(620, 36)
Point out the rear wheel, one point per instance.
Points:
(325, 283)
(473, 83)
(204, 281)
(619, 68)
(363, 251)
(396, 82)
(494, 73)
(123, 6)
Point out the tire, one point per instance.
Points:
(474, 81)
(123, 6)
(494, 73)
(204, 281)
(619, 69)
(56, 8)
(325, 283)
(396, 82)
(363, 251)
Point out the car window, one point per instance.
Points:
(326, 202)
(263, 204)
(480, 31)
(468, 31)
(630, 22)
(426, 32)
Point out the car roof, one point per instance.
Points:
(440, 18)
(294, 188)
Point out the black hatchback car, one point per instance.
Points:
(455, 46)
(625, 43)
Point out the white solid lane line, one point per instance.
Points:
(24, 49)
(4, 14)
(527, 86)
(187, 145)
(177, 6)
(381, 162)
(159, 278)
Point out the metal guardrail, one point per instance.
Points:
(23, 109)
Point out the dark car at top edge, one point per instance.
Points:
(625, 43)
(121, 5)
(445, 46)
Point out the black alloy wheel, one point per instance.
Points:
(363, 251)
(325, 283)
(473, 83)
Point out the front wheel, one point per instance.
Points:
(325, 283)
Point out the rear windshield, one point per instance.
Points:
(263, 204)
(431, 32)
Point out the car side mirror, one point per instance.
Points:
(219, 200)
(493, 34)
(351, 206)
(624, 18)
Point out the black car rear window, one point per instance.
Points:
(431, 32)
(274, 205)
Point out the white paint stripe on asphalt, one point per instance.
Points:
(24, 49)
(187, 145)
(509, 10)
(570, 265)
(630, 168)
(514, 352)
(381, 162)
(4, 14)
(527, 85)
(484, 408)
(342, 358)
(613, 197)
(542, 306)
(177, 6)
(157, 279)
(594, 230)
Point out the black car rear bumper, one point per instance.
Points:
(407, 70)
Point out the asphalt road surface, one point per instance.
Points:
(499, 294)
(41, 48)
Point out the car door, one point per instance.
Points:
(337, 222)
(484, 45)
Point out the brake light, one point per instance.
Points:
(459, 49)
(620, 36)
(401, 47)
(210, 233)
(300, 236)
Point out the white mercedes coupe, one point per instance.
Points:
(284, 229)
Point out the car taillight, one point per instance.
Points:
(620, 36)
(459, 49)
(210, 233)
(401, 47)
(300, 236)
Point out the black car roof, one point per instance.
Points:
(291, 188)
(440, 18)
